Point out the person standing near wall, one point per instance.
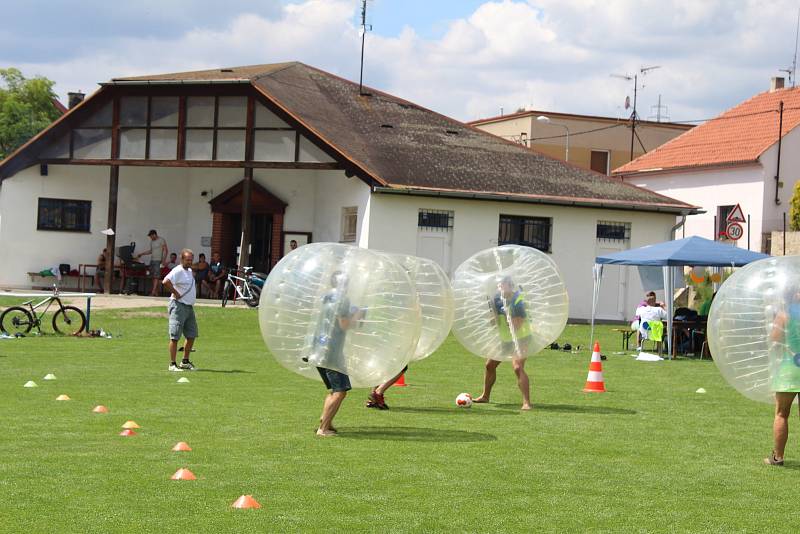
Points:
(158, 256)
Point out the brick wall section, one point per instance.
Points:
(217, 228)
(277, 233)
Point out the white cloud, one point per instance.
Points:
(549, 54)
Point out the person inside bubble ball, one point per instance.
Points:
(515, 333)
(336, 319)
(785, 375)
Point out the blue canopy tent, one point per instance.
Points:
(694, 251)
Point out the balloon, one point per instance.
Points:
(343, 308)
(510, 301)
(435, 296)
(754, 328)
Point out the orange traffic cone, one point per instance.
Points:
(183, 474)
(127, 432)
(594, 382)
(246, 501)
(181, 446)
(401, 382)
(63, 398)
(100, 409)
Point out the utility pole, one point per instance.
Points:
(364, 28)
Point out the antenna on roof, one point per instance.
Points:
(792, 72)
(364, 29)
(635, 78)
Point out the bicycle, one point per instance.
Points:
(241, 287)
(67, 320)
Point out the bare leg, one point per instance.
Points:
(380, 390)
(780, 427)
(489, 378)
(153, 292)
(332, 403)
(187, 349)
(173, 349)
(523, 382)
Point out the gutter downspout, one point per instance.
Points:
(778, 170)
(677, 227)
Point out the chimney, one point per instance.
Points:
(76, 98)
(775, 83)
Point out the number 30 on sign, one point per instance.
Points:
(734, 231)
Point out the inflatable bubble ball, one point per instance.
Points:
(754, 328)
(510, 302)
(343, 308)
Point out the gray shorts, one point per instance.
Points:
(181, 321)
(155, 269)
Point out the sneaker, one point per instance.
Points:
(375, 400)
(174, 367)
(187, 365)
(772, 460)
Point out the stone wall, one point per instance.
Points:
(792, 244)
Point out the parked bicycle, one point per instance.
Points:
(244, 285)
(67, 320)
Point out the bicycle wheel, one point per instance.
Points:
(69, 320)
(226, 290)
(16, 320)
(255, 296)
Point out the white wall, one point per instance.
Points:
(790, 174)
(712, 188)
(393, 227)
(333, 192)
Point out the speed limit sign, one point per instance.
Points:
(734, 231)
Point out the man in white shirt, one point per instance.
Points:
(183, 293)
(649, 313)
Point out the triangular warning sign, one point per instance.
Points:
(736, 215)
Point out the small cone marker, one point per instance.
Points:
(700, 390)
(594, 382)
(31, 384)
(63, 397)
(50, 376)
(401, 382)
(181, 446)
(183, 474)
(246, 501)
(130, 424)
(127, 433)
(100, 409)
(183, 380)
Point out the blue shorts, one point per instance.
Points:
(334, 380)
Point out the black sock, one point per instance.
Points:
(186, 360)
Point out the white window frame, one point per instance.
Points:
(608, 159)
(349, 216)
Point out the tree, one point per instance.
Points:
(26, 108)
(794, 209)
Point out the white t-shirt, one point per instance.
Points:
(651, 313)
(157, 249)
(183, 281)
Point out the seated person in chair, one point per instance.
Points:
(200, 270)
(216, 276)
(650, 316)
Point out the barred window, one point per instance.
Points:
(64, 215)
(528, 231)
(613, 231)
(435, 219)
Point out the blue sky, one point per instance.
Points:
(464, 58)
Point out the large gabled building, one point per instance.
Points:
(301, 154)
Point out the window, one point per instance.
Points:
(613, 231)
(435, 219)
(64, 214)
(599, 161)
(349, 224)
(528, 231)
(722, 220)
(148, 127)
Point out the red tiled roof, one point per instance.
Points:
(740, 135)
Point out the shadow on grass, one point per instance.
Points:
(572, 408)
(226, 371)
(455, 409)
(413, 434)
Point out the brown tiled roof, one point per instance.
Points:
(404, 146)
(738, 136)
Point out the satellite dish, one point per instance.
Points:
(627, 102)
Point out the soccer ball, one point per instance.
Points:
(464, 400)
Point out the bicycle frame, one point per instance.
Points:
(47, 300)
(243, 292)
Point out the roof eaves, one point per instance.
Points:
(622, 172)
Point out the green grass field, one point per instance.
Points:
(648, 455)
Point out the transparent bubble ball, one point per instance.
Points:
(435, 296)
(754, 328)
(510, 302)
(343, 308)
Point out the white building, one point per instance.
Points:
(732, 159)
(309, 158)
